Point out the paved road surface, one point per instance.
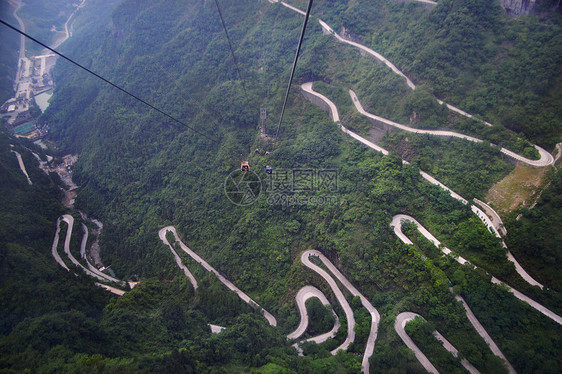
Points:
(397, 221)
(397, 224)
(22, 166)
(307, 88)
(113, 290)
(497, 223)
(70, 222)
(178, 260)
(375, 316)
(484, 334)
(545, 157)
(91, 267)
(22, 28)
(302, 296)
(305, 259)
(399, 326)
(426, 2)
(545, 160)
(305, 293)
(397, 71)
(495, 218)
(488, 222)
(66, 30)
(54, 251)
(216, 329)
(378, 56)
(162, 234)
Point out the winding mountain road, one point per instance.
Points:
(375, 316)
(545, 160)
(305, 259)
(192, 280)
(399, 326)
(331, 107)
(305, 293)
(18, 5)
(378, 56)
(397, 71)
(68, 33)
(162, 234)
(54, 251)
(327, 104)
(91, 267)
(70, 221)
(100, 276)
(22, 167)
(399, 219)
(545, 157)
(484, 334)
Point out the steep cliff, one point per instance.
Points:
(517, 8)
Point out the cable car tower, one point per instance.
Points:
(263, 117)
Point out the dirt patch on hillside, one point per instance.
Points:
(515, 189)
(376, 134)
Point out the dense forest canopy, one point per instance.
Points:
(138, 171)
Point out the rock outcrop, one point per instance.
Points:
(516, 8)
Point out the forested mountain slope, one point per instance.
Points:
(139, 172)
(8, 55)
(469, 54)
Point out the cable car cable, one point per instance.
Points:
(294, 65)
(231, 49)
(111, 83)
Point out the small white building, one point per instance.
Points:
(11, 108)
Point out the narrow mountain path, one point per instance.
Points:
(399, 326)
(162, 234)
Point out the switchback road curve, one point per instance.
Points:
(327, 104)
(304, 294)
(375, 316)
(96, 274)
(545, 159)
